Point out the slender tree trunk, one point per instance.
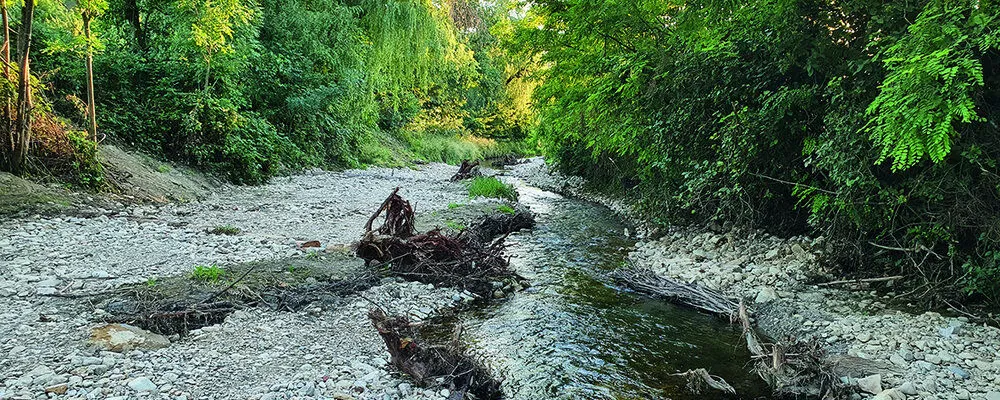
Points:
(132, 16)
(23, 137)
(91, 107)
(6, 126)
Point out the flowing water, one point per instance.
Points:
(574, 335)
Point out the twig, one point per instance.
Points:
(867, 280)
(230, 286)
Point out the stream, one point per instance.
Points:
(574, 335)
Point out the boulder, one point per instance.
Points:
(871, 384)
(122, 338)
(766, 294)
(142, 384)
(890, 394)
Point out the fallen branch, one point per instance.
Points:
(859, 281)
(231, 285)
(691, 295)
(785, 366)
(429, 364)
(699, 379)
(466, 170)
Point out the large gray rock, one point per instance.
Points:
(871, 384)
(122, 338)
(142, 384)
(765, 295)
(890, 394)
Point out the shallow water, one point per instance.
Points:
(573, 335)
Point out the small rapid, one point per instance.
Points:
(573, 334)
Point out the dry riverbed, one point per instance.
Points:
(885, 354)
(324, 350)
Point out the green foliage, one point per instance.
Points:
(225, 230)
(488, 186)
(452, 206)
(251, 89)
(785, 115)
(207, 273)
(933, 73)
(506, 209)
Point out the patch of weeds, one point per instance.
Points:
(503, 208)
(454, 225)
(225, 230)
(151, 282)
(207, 273)
(313, 255)
(452, 206)
(488, 186)
(163, 169)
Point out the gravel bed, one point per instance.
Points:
(320, 352)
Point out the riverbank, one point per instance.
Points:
(877, 351)
(326, 350)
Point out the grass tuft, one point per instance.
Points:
(506, 209)
(209, 273)
(225, 230)
(488, 186)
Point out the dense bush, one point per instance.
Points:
(248, 89)
(872, 123)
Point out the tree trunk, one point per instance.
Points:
(23, 136)
(91, 107)
(132, 16)
(6, 128)
(5, 53)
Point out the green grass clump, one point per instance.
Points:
(506, 209)
(207, 273)
(488, 186)
(455, 226)
(452, 206)
(225, 230)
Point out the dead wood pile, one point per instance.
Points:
(432, 365)
(467, 170)
(469, 261)
(789, 365)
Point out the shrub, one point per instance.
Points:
(488, 186)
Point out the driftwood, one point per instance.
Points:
(790, 365)
(691, 295)
(468, 260)
(699, 380)
(860, 281)
(466, 171)
(429, 364)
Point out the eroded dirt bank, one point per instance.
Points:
(873, 350)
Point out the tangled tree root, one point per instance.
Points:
(432, 365)
(467, 170)
(789, 366)
(699, 380)
(470, 260)
(179, 305)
